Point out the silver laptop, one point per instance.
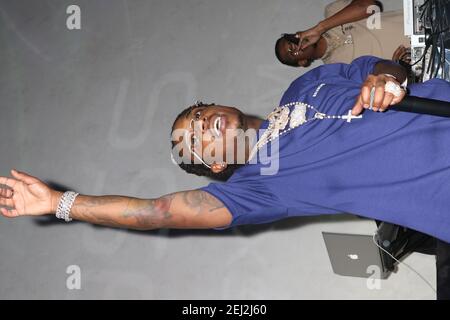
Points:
(355, 255)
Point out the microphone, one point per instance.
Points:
(423, 106)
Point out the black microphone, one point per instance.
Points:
(423, 106)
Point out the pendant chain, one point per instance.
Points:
(279, 118)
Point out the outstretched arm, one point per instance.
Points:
(27, 195)
(187, 209)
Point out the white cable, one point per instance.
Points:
(411, 268)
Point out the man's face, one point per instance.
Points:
(205, 129)
(290, 54)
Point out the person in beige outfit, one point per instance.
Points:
(351, 28)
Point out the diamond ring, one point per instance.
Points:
(393, 88)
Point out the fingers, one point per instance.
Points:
(19, 177)
(8, 181)
(9, 213)
(396, 100)
(304, 40)
(366, 89)
(398, 52)
(6, 193)
(406, 57)
(305, 43)
(358, 107)
(402, 54)
(380, 100)
(6, 202)
(379, 95)
(387, 101)
(22, 176)
(299, 36)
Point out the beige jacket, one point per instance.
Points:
(352, 40)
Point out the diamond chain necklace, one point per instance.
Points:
(279, 118)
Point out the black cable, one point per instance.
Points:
(436, 21)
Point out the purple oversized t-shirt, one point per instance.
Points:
(392, 166)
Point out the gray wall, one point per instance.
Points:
(90, 110)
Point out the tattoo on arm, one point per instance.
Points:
(151, 214)
(172, 210)
(158, 213)
(85, 209)
(200, 200)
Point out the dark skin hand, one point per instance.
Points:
(355, 11)
(382, 99)
(402, 54)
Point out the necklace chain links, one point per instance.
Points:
(280, 116)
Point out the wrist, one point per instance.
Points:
(55, 197)
(321, 27)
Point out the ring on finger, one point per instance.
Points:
(393, 88)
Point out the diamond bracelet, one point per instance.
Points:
(65, 204)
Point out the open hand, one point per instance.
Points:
(26, 195)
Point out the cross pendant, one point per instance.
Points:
(349, 117)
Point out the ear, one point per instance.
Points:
(218, 167)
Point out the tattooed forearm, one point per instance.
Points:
(92, 209)
(151, 214)
(126, 212)
(178, 210)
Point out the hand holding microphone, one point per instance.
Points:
(378, 93)
(383, 92)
